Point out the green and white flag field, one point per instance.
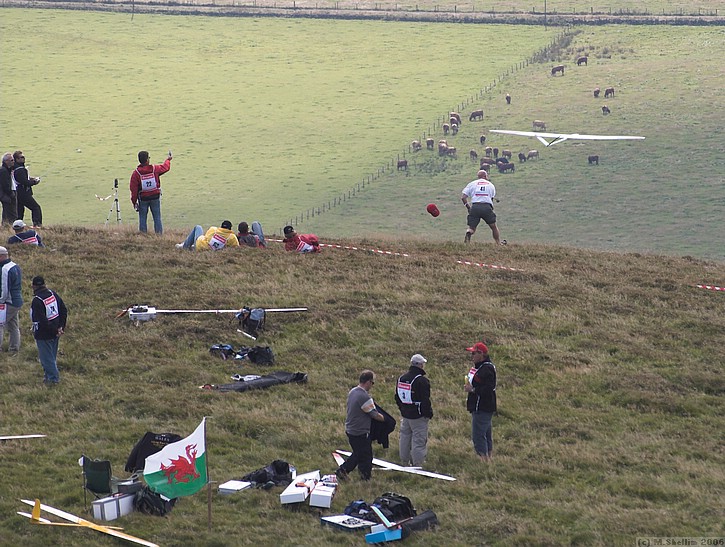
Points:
(180, 468)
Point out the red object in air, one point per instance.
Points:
(433, 210)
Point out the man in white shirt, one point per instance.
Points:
(481, 193)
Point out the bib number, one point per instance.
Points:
(148, 182)
(217, 242)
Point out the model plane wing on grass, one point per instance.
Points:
(555, 138)
(395, 467)
(11, 437)
(114, 531)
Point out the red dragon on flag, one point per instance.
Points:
(182, 469)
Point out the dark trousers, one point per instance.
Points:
(27, 201)
(10, 210)
(362, 456)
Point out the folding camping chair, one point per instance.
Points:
(97, 478)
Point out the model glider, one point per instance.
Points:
(555, 138)
(148, 313)
(340, 460)
(11, 437)
(35, 518)
(395, 467)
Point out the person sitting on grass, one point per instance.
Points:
(29, 236)
(305, 243)
(254, 239)
(214, 239)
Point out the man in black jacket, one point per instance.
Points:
(481, 402)
(7, 190)
(24, 190)
(412, 395)
(48, 314)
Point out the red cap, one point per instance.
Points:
(433, 210)
(479, 346)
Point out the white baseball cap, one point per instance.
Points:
(418, 359)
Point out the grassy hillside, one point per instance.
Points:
(610, 386)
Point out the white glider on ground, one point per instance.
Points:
(561, 137)
(114, 531)
(11, 437)
(395, 467)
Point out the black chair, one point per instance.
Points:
(97, 478)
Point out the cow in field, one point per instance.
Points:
(503, 167)
(455, 115)
(538, 124)
(429, 144)
(532, 154)
(605, 110)
(582, 60)
(451, 151)
(495, 152)
(557, 69)
(488, 151)
(506, 153)
(483, 139)
(593, 160)
(473, 155)
(446, 128)
(454, 128)
(522, 157)
(416, 146)
(402, 164)
(609, 92)
(597, 91)
(442, 147)
(476, 115)
(508, 98)
(486, 162)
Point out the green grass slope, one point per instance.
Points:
(610, 386)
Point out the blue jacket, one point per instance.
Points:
(15, 279)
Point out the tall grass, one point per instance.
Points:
(610, 385)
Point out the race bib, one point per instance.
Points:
(148, 182)
(217, 242)
(405, 393)
(471, 374)
(3, 313)
(51, 307)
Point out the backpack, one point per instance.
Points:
(394, 506)
(149, 502)
(261, 355)
(224, 351)
(277, 472)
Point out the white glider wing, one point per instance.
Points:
(561, 137)
(11, 437)
(395, 467)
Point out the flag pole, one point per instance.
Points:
(208, 481)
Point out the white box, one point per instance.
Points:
(321, 495)
(118, 505)
(230, 487)
(299, 489)
(346, 522)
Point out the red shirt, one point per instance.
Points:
(135, 184)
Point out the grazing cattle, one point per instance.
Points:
(532, 154)
(582, 60)
(451, 151)
(485, 162)
(429, 143)
(605, 110)
(522, 157)
(476, 115)
(415, 145)
(495, 152)
(538, 124)
(593, 159)
(455, 115)
(597, 91)
(454, 128)
(483, 139)
(473, 155)
(506, 153)
(488, 151)
(508, 98)
(446, 128)
(609, 92)
(557, 68)
(442, 147)
(502, 159)
(402, 164)
(503, 167)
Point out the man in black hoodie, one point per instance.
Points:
(412, 395)
(481, 402)
(48, 314)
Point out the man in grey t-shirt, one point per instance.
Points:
(360, 412)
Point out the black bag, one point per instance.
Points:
(358, 509)
(149, 502)
(394, 506)
(261, 355)
(424, 521)
(277, 472)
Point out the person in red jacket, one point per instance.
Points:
(146, 190)
(305, 243)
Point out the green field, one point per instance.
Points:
(271, 119)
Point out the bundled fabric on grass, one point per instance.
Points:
(149, 502)
(380, 431)
(179, 469)
(149, 444)
(259, 355)
(278, 473)
(263, 382)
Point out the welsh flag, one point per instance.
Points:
(179, 469)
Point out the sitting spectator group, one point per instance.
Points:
(216, 238)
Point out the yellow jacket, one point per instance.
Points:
(215, 239)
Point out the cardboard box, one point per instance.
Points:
(321, 495)
(115, 506)
(299, 489)
(346, 522)
(230, 487)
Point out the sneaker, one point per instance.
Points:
(504, 242)
(179, 245)
(467, 239)
(341, 474)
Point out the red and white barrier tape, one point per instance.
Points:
(710, 287)
(493, 266)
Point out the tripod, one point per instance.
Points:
(115, 205)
